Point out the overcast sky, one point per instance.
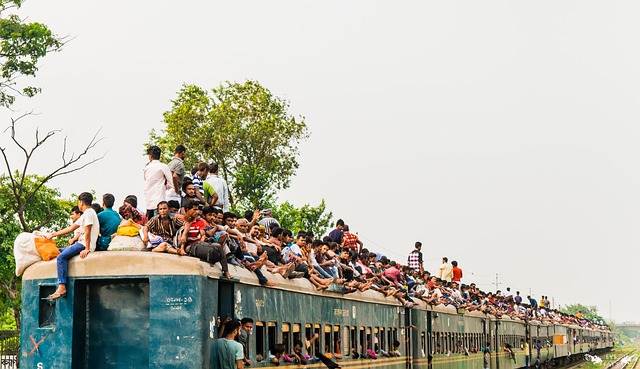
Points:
(501, 134)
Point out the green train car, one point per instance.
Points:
(149, 310)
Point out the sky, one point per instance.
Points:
(500, 134)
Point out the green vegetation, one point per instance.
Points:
(247, 130)
(588, 312)
(21, 47)
(44, 208)
(307, 217)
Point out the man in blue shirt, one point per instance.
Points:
(109, 222)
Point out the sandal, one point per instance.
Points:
(56, 295)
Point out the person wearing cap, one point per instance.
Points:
(415, 258)
(268, 221)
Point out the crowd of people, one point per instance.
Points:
(189, 214)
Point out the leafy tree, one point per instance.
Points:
(306, 218)
(27, 204)
(588, 312)
(44, 207)
(244, 128)
(22, 44)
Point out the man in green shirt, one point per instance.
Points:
(229, 352)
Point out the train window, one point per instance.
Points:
(376, 340)
(369, 343)
(260, 346)
(272, 335)
(47, 308)
(335, 342)
(316, 345)
(327, 339)
(296, 335)
(362, 347)
(390, 335)
(308, 333)
(383, 340)
(286, 335)
(354, 339)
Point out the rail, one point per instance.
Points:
(9, 349)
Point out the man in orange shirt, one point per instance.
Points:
(457, 273)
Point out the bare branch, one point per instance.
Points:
(67, 163)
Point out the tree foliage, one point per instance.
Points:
(588, 312)
(44, 206)
(22, 45)
(307, 217)
(244, 128)
(27, 204)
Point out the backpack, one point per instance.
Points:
(205, 252)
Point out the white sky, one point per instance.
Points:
(501, 134)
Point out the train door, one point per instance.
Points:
(111, 324)
(430, 348)
(226, 299)
(410, 346)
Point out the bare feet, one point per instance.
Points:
(269, 284)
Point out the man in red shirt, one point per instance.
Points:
(457, 273)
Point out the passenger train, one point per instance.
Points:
(149, 310)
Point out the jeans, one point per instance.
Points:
(63, 260)
(322, 272)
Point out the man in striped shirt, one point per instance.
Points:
(268, 221)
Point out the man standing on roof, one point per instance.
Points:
(157, 179)
(220, 187)
(176, 165)
(337, 234)
(456, 273)
(446, 270)
(415, 258)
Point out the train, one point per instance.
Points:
(131, 309)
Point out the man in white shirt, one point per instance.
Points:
(220, 187)
(157, 180)
(446, 270)
(90, 227)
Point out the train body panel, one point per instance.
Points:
(139, 310)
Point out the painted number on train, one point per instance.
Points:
(178, 303)
(340, 312)
(260, 303)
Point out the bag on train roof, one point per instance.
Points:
(205, 252)
(25, 252)
(46, 248)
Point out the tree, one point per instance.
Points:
(27, 204)
(306, 218)
(21, 47)
(588, 312)
(244, 128)
(44, 207)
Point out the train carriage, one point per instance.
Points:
(148, 310)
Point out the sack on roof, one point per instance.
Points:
(25, 252)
